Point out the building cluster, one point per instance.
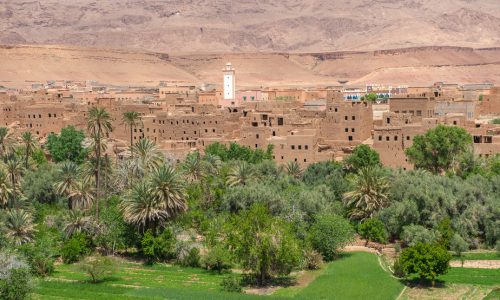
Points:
(302, 125)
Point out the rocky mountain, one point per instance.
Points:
(214, 26)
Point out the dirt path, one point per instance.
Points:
(480, 264)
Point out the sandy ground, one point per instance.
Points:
(480, 264)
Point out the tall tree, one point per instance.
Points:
(5, 188)
(99, 126)
(29, 142)
(132, 120)
(67, 180)
(369, 193)
(67, 145)
(14, 167)
(241, 173)
(168, 188)
(362, 156)
(142, 209)
(19, 226)
(192, 167)
(438, 149)
(4, 134)
(148, 157)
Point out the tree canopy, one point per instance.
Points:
(438, 149)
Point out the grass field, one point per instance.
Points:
(478, 256)
(493, 295)
(136, 281)
(355, 275)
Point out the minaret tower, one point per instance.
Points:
(229, 83)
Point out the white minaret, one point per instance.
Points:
(229, 82)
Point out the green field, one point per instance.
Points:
(478, 256)
(355, 275)
(472, 276)
(136, 281)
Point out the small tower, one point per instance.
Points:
(229, 83)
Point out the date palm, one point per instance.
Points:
(99, 126)
(212, 164)
(14, 168)
(240, 174)
(29, 142)
(192, 167)
(5, 188)
(167, 187)
(142, 209)
(67, 180)
(19, 226)
(132, 120)
(82, 195)
(369, 193)
(293, 169)
(148, 157)
(77, 222)
(4, 135)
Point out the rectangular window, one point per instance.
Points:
(293, 147)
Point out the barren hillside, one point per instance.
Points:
(413, 66)
(201, 26)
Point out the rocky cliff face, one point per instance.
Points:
(197, 26)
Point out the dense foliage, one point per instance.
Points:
(68, 145)
(439, 148)
(234, 207)
(426, 260)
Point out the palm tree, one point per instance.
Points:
(293, 169)
(29, 143)
(369, 193)
(142, 209)
(131, 119)
(241, 173)
(19, 226)
(99, 126)
(76, 222)
(4, 134)
(14, 168)
(5, 188)
(148, 157)
(167, 188)
(192, 167)
(67, 180)
(82, 195)
(212, 164)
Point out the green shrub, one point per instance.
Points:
(329, 234)
(458, 245)
(191, 259)
(40, 255)
(75, 248)
(98, 267)
(428, 261)
(232, 283)
(414, 234)
(312, 260)
(217, 259)
(398, 269)
(158, 248)
(16, 286)
(373, 230)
